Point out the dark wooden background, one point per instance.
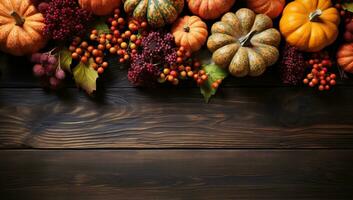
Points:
(257, 139)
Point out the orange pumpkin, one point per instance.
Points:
(310, 25)
(210, 9)
(271, 8)
(345, 57)
(190, 32)
(100, 7)
(21, 28)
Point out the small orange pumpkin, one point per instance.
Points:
(21, 28)
(190, 32)
(210, 9)
(310, 25)
(100, 7)
(271, 8)
(345, 57)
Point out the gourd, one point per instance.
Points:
(190, 32)
(210, 9)
(100, 7)
(157, 13)
(21, 28)
(244, 42)
(345, 57)
(271, 8)
(310, 25)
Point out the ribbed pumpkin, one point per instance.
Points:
(100, 7)
(21, 27)
(190, 32)
(345, 57)
(244, 42)
(271, 8)
(210, 9)
(310, 25)
(157, 13)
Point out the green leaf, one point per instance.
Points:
(86, 77)
(214, 73)
(348, 6)
(65, 60)
(101, 26)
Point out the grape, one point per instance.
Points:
(54, 82)
(348, 36)
(349, 27)
(35, 58)
(44, 58)
(38, 70)
(60, 74)
(43, 7)
(52, 60)
(50, 69)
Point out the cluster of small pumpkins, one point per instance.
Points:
(245, 42)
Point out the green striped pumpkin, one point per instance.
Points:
(157, 13)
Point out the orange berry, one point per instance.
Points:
(332, 82)
(123, 45)
(306, 81)
(133, 38)
(188, 54)
(190, 73)
(95, 52)
(99, 60)
(215, 85)
(94, 66)
(121, 20)
(101, 47)
(105, 64)
(133, 46)
(79, 51)
(114, 23)
(87, 54)
(179, 53)
(315, 81)
(100, 70)
(108, 46)
(90, 48)
(84, 44)
(126, 57)
(121, 60)
(72, 48)
(219, 81)
(170, 78)
(188, 68)
(182, 49)
(74, 55)
(183, 74)
(321, 87)
(166, 71)
(327, 87)
(332, 76)
(179, 60)
(84, 59)
(95, 32)
(175, 81)
(144, 24)
(112, 50)
(204, 77)
(202, 72)
(128, 34)
(174, 73)
(196, 76)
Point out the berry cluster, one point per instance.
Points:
(64, 19)
(48, 69)
(347, 17)
(319, 75)
(122, 41)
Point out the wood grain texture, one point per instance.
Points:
(166, 118)
(160, 174)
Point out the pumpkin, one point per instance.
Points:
(271, 8)
(190, 32)
(100, 7)
(345, 57)
(310, 25)
(244, 42)
(157, 13)
(21, 27)
(210, 9)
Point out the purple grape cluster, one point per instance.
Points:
(292, 66)
(142, 73)
(47, 69)
(158, 50)
(64, 19)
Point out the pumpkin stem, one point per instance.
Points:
(244, 40)
(314, 15)
(187, 29)
(19, 20)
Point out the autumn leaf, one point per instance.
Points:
(65, 60)
(85, 76)
(101, 26)
(348, 6)
(214, 73)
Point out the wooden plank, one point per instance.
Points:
(17, 73)
(167, 118)
(160, 174)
